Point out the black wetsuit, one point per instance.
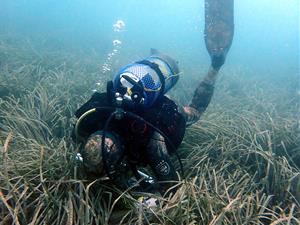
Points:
(142, 144)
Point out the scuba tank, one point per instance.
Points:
(146, 81)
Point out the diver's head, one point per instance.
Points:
(93, 154)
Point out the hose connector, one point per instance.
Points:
(119, 110)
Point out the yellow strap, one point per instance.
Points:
(129, 92)
(152, 90)
(141, 199)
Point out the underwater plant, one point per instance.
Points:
(241, 159)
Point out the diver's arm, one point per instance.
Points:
(159, 161)
(219, 29)
(201, 98)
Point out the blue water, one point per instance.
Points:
(266, 37)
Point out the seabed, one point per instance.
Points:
(241, 159)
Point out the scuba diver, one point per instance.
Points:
(134, 124)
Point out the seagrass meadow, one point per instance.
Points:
(241, 160)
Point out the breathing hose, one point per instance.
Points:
(83, 116)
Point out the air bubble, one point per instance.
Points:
(119, 26)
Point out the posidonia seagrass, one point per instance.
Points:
(241, 159)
